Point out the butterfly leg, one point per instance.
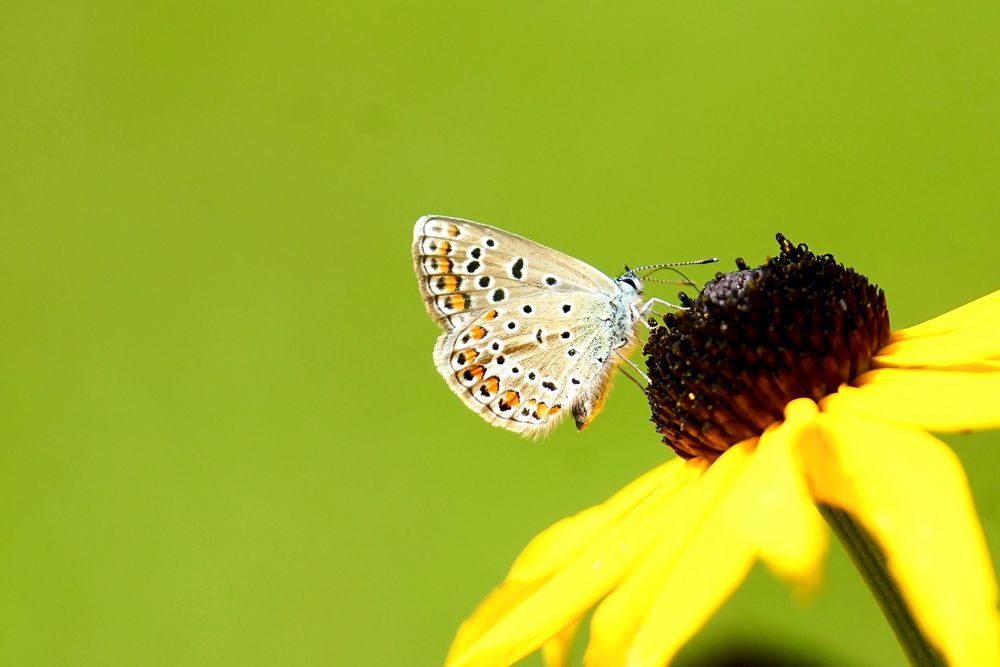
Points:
(634, 366)
(640, 313)
(649, 304)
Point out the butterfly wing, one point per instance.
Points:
(530, 331)
(465, 268)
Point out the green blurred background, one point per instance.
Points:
(224, 441)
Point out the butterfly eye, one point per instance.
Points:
(630, 282)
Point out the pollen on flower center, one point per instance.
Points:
(723, 370)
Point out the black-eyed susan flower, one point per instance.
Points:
(788, 399)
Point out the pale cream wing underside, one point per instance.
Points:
(465, 267)
(522, 371)
(526, 327)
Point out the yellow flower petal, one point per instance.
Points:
(910, 492)
(619, 616)
(983, 314)
(555, 546)
(746, 505)
(956, 348)
(931, 399)
(561, 600)
(778, 513)
(557, 651)
(713, 563)
(494, 607)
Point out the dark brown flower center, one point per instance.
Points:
(723, 370)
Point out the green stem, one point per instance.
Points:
(871, 563)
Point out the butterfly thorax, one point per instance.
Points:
(625, 311)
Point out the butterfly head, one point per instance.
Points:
(630, 281)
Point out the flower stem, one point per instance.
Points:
(871, 563)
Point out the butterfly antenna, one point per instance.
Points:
(656, 267)
(684, 279)
(706, 260)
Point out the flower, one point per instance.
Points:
(783, 391)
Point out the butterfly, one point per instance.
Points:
(529, 332)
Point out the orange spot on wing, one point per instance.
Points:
(466, 357)
(448, 283)
(456, 302)
(452, 231)
(444, 248)
(473, 373)
(477, 332)
(439, 265)
(554, 410)
(492, 384)
(490, 315)
(542, 410)
(511, 398)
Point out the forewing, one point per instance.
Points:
(466, 268)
